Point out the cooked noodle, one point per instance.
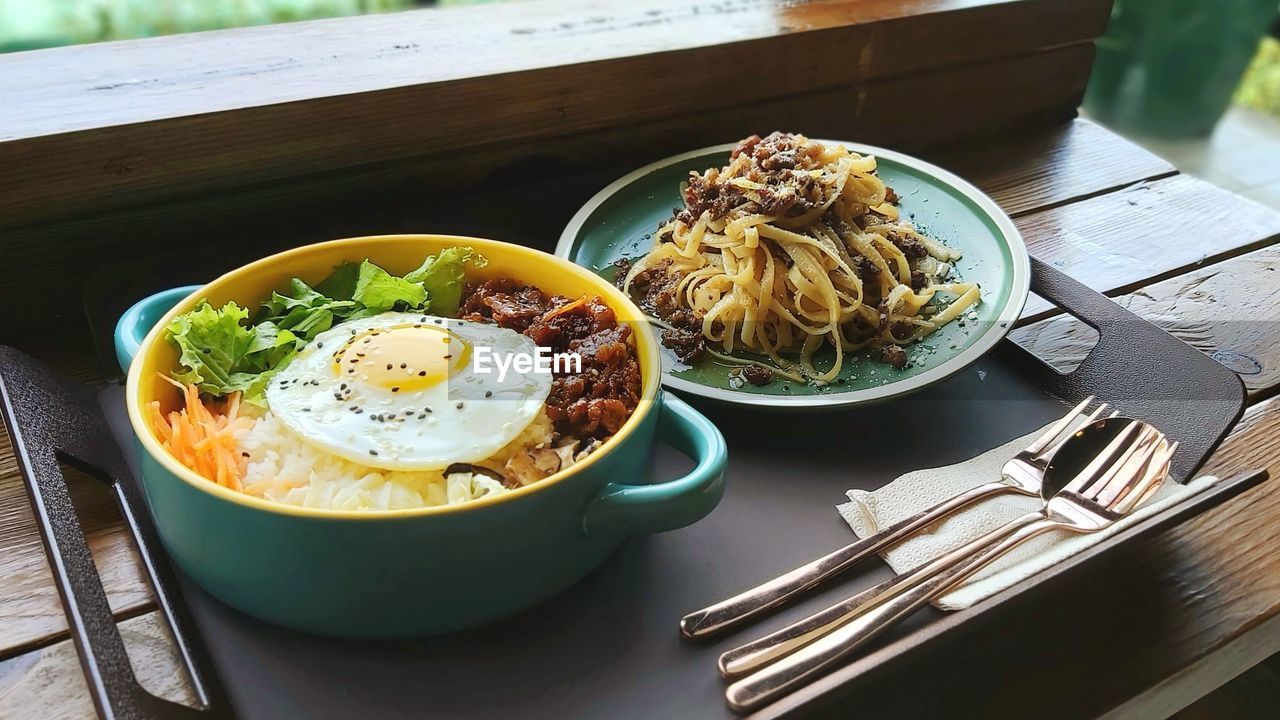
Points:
(796, 244)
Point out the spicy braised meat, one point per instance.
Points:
(593, 402)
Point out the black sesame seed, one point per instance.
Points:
(395, 389)
(459, 406)
(343, 386)
(206, 351)
(354, 408)
(319, 343)
(426, 410)
(422, 373)
(244, 454)
(373, 452)
(404, 365)
(488, 393)
(447, 357)
(306, 409)
(389, 366)
(359, 411)
(421, 415)
(366, 339)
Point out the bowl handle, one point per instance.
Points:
(642, 509)
(138, 320)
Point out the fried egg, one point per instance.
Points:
(399, 391)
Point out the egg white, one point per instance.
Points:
(467, 418)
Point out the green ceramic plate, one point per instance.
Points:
(620, 220)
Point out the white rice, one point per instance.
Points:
(282, 467)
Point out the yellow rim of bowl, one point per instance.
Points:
(646, 346)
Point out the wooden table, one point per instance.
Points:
(1200, 606)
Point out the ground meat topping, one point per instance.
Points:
(776, 162)
(912, 248)
(867, 271)
(685, 336)
(757, 375)
(894, 355)
(592, 403)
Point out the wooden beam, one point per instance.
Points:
(45, 257)
(117, 124)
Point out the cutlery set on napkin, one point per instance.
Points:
(1048, 496)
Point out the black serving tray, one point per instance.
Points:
(609, 647)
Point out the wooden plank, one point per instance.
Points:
(48, 683)
(30, 610)
(1120, 241)
(45, 257)
(1230, 310)
(1037, 170)
(122, 123)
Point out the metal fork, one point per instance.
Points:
(1023, 474)
(1095, 499)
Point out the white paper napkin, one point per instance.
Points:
(868, 512)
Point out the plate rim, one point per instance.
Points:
(1019, 288)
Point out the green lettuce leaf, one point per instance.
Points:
(443, 277)
(380, 291)
(221, 355)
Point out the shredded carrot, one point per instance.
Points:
(201, 435)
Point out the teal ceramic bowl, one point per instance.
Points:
(406, 573)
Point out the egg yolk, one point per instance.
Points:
(402, 358)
